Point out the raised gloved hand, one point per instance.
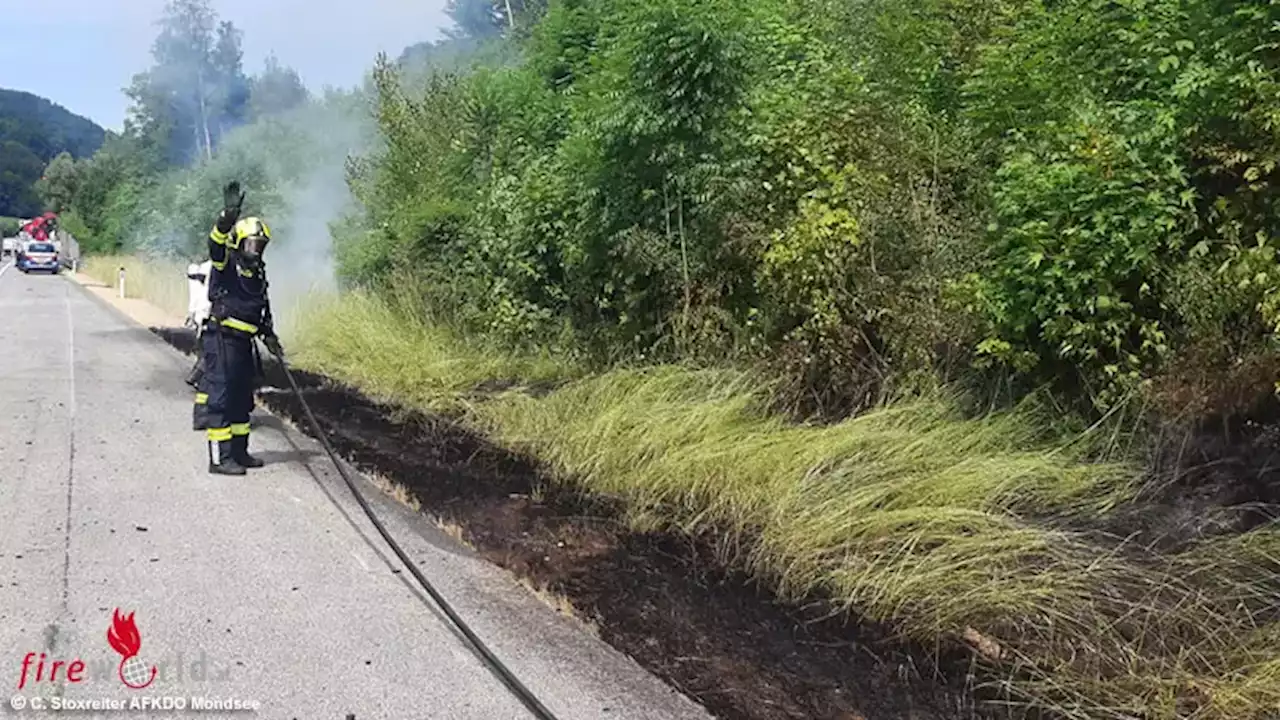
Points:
(273, 345)
(232, 198)
(232, 201)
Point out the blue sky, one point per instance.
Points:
(82, 53)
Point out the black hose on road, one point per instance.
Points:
(504, 674)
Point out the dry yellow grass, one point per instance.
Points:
(162, 283)
(361, 339)
(911, 514)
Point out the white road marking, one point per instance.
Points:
(6, 267)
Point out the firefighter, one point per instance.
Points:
(197, 314)
(240, 310)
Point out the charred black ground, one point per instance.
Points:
(663, 600)
(669, 603)
(1220, 478)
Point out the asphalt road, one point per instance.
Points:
(272, 588)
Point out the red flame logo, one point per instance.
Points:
(125, 638)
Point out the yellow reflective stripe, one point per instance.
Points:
(202, 398)
(239, 428)
(219, 434)
(219, 265)
(235, 324)
(218, 237)
(243, 272)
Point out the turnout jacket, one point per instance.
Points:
(238, 295)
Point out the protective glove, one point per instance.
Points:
(273, 345)
(232, 201)
(232, 198)
(217, 310)
(196, 374)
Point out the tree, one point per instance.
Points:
(486, 18)
(233, 88)
(276, 89)
(152, 120)
(107, 190)
(196, 89)
(60, 182)
(183, 53)
(476, 18)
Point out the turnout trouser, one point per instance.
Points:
(196, 379)
(227, 386)
(200, 411)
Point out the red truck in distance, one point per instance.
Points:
(38, 247)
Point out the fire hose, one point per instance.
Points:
(477, 646)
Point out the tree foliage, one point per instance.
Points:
(480, 19)
(275, 90)
(863, 195)
(196, 120)
(60, 183)
(196, 90)
(866, 194)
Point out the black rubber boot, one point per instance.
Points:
(240, 452)
(225, 464)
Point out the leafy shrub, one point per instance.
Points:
(1130, 159)
(657, 180)
(1085, 222)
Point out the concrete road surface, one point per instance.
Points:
(270, 589)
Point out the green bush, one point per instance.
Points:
(1130, 156)
(9, 226)
(1086, 221)
(655, 180)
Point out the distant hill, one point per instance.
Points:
(33, 130)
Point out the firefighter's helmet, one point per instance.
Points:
(246, 228)
(250, 236)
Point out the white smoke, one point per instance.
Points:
(292, 167)
(300, 258)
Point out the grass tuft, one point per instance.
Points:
(365, 341)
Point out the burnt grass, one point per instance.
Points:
(670, 603)
(1220, 478)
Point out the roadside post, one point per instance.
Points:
(122, 282)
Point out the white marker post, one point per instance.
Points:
(121, 282)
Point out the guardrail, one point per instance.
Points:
(68, 249)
